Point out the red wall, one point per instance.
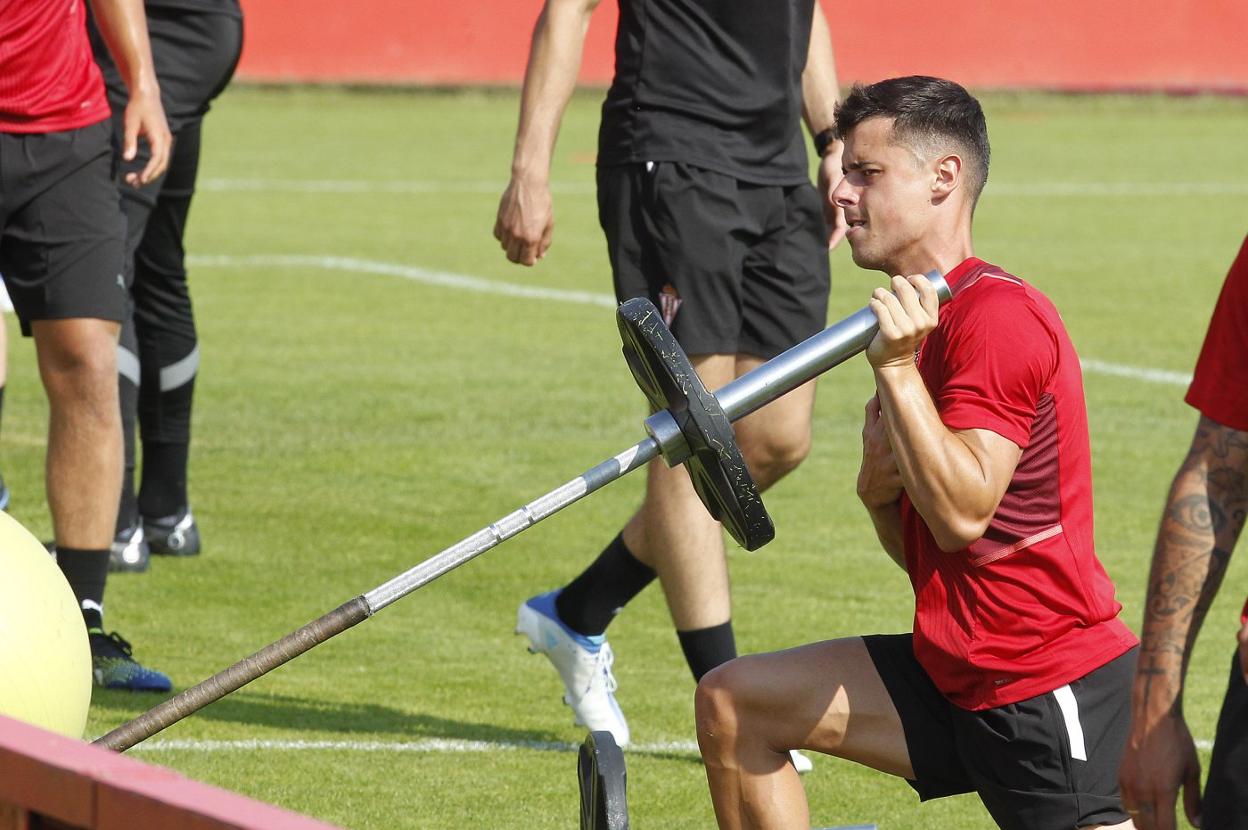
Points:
(78, 786)
(1064, 44)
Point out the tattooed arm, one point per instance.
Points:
(1201, 523)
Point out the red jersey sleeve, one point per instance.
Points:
(999, 361)
(1220, 383)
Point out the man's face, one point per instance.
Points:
(887, 198)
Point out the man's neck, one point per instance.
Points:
(941, 252)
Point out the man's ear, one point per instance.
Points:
(948, 176)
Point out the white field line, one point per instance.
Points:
(447, 279)
(495, 188)
(444, 279)
(1135, 372)
(417, 187)
(426, 745)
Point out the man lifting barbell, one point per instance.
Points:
(976, 473)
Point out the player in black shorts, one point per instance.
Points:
(705, 199)
(196, 45)
(976, 477)
(61, 251)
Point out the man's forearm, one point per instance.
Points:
(820, 89)
(123, 25)
(1199, 528)
(887, 521)
(954, 493)
(549, 79)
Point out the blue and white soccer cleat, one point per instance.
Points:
(584, 665)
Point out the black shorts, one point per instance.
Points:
(61, 228)
(1046, 763)
(744, 267)
(1226, 791)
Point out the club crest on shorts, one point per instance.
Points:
(669, 303)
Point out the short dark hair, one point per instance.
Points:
(929, 114)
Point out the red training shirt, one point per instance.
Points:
(1220, 384)
(48, 80)
(1028, 607)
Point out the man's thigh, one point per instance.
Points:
(1226, 791)
(787, 418)
(825, 697)
(62, 248)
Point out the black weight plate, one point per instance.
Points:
(716, 466)
(604, 785)
(645, 338)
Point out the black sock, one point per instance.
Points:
(589, 603)
(163, 491)
(706, 648)
(86, 571)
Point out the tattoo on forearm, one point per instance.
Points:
(1201, 523)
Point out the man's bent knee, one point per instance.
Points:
(773, 456)
(715, 709)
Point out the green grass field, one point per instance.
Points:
(354, 418)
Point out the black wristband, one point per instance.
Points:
(823, 140)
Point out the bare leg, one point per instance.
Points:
(78, 364)
(750, 712)
(776, 438)
(673, 533)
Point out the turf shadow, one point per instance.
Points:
(309, 715)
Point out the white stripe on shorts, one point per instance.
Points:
(1070, 713)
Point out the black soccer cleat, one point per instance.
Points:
(129, 551)
(175, 535)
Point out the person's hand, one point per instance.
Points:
(526, 221)
(879, 480)
(829, 177)
(1160, 757)
(144, 116)
(907, 314)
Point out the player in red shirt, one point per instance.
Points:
(1015, 683)
(61, 247)
(1199, 528)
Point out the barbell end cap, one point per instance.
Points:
(943, 292)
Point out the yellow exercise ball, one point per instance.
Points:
(45, 659)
